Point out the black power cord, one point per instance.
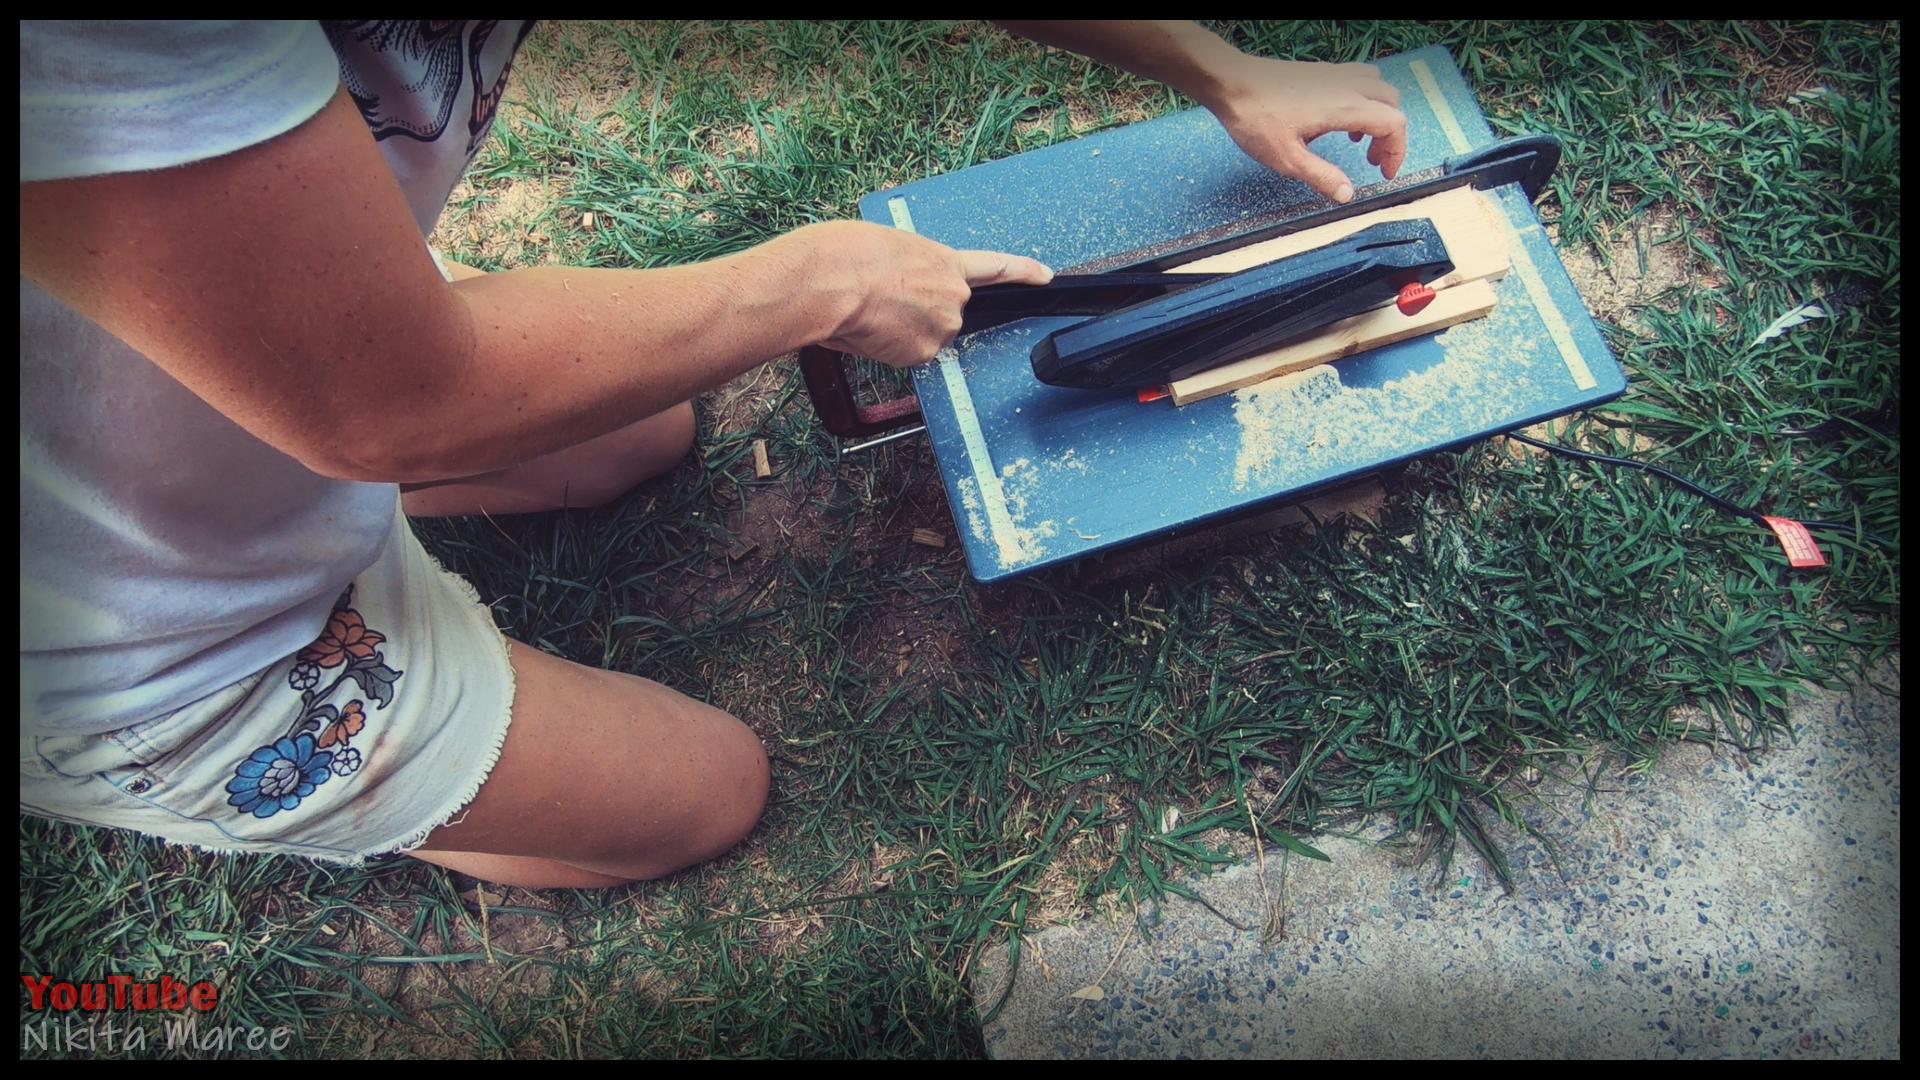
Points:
(1716, 501)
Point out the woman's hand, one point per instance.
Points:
(1274, 108)
(904, 294)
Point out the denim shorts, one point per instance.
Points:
(360, 744)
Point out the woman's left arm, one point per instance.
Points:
(1272, 108)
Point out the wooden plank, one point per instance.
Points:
(1369, 330)
(1476, 237)
(929, 538)
(761, 467)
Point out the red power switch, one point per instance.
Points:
(1413, 297)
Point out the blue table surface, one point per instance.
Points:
(1038, 475)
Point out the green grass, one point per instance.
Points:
(1507, 613)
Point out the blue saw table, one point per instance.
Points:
(1038, 475)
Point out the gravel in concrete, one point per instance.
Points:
(1719, 907)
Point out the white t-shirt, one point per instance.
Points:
(164, 552)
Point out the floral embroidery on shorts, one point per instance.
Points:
(318, 747)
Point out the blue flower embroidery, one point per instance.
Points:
(276, 777)
(281, 774)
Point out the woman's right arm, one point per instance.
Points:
(286, 284)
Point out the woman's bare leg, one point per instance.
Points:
(520, 871)
(605, 776)
(594, 472)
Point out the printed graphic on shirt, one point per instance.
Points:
(406, 75)
(488, 92)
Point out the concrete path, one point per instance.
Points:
(1718, 908)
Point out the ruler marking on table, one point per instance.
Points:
(1523, 263)
(1557, 327)
(993, 499)
(1442, 111)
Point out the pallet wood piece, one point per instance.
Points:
(1350, 336)
(929, 538)
(1476, 237)
(761, 468)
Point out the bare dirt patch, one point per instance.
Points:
(1642, 263)
(746, 403)
(579, 70)
(509, 222)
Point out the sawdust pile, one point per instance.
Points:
(1295, 428)
(1017, 540)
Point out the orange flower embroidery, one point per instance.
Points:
(351, 720)
(346, 636)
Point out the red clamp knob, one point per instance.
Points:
(1412, 298)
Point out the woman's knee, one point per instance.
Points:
(697, 815)
(742, 798)
(609, 467)
(678, 428)
(614, 774)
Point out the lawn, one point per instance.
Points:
(956, 765)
